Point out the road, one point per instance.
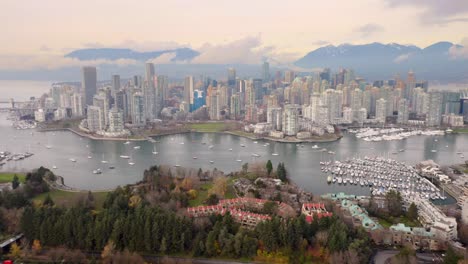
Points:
(383, 256)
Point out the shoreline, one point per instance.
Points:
(234, 133)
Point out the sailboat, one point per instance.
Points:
(154, 150)
(177, 163)
(238, 158)
(131, 163)
(103, 160)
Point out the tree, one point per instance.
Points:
(219, 186)
(270, 207)
(48, 201)
(269, 167)
(412, 213)
(245, 168)
(451, 257)
(15, 183)
(15, 251)
(281, 172)
(212, 199)
(36, 246)
(394, 202)
(108, 251)
(405, 256)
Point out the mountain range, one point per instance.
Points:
(376, 60)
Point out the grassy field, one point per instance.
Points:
(64, 198)
(202, 195)
(207, 127)
(460, 130)
(386, 222)
(8, 177)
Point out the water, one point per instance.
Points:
(302, 163)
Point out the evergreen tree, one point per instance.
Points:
(412, 213)
(269, 167)
(15, 183)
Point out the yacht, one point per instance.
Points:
(154, 151)
(315, 147)
(274, 154)
(255, 155)
(98, 171)
(127, 142)
(242, 145)
(48, 146)
(194, 158)
(111, 167)
(89, 157)
(54, 167)
(136, 147)
(131, 163)
(104, 161)
(230, 149)
(433, 150)
(211, 161)
(124, 157)
(177, 165)
(72, 160)
(255, 142)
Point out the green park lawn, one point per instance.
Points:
(65, 198)
(207, 127)
(8, 177)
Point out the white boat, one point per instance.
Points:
(104, 161)
(230, 149)
(131, 163)
(274, 154)
(433, 150)
(54, 167)
(255, 142)
(154, 150)
(255, 155)
(177, 165)
(124, 157)
(211, 146)
(89, 157)
(315, 147)
(238, 160)
(194, 158)
(242, 145)
(127, 142)
(136, 147)
(329, 179)
(98, 171)
(211, 161)
(48, 146)
(182, 143)
(72, 160)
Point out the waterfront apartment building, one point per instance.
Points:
(138, 109)
(275, 117)
(434, 113)
(291, 119)
(95, 119)
(116, 124)
(88, 83)
(403, 111)
(380, 110)
(77, 105)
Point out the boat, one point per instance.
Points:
(89, 157)
(315, 147)
(242, 145)
(194, 158)
(111, 167)
(54, 167)
(238, 160)
(210, 147)
(177, 165)
(230, 149)
(48, 146)
(124, 157)
(255, 142)
(211, 161)
(434, 150)
(255, 155)
(274, 154)
(448, 130)
(104, 161)
(72, 160)
(329, 179)
(127, 142)
(136, 147)
(181, 143)
(131, 163)
(98, 171)
(154, 150)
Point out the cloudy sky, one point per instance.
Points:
(37, 33)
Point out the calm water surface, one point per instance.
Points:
(302, 162)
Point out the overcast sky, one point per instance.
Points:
(286, 29)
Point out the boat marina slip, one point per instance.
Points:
(124, 162)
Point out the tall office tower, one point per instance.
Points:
(257, 84)
(235, 106)
(419, 98)
(55, 94)
(410, 85)
(149, 93)
(349, 76)
(77, 105)
(240, 86)
(266, 71)
(291, 120)
(100, 100)
(387, 93)
(95, 118)
(115, 84)
(403, 111)
(380, 111)
(423, 84)
(231, 77)
(121, 103)
(88, 83)
(451, 102)
(189, 87)
(162, 88)
(138, 109)
(275, 117)
(223, 97)
(325, 74)
(116, 123)
(356, 103)
(137, 81)
(214, 105)
(434, 113)
(289, 76)
(249, 92)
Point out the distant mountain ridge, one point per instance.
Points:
(375, 60)
(181, 54)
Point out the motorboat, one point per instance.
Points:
(315, 147)
(136, 147)
(124, 157)
(131, 163)
(54, 167)
(194, 158)
(72, 160)
(111, 167)
(127, 142)
(97, 171)
(274, 154)
(211, 161)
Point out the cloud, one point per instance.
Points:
(369, 29)
(52, 62)
(141, 46)
(459, 51)
(165, 58)
(248, 50)
(320, 43)
(437, 11)
(402, 58)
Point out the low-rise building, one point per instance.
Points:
(311, 210)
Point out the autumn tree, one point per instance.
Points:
(15, 251)
(36, 247)
(108, 252)
(219, 186)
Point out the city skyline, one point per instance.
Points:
(263, 29)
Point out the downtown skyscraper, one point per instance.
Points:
(88, 83)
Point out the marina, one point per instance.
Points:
(381, 175)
